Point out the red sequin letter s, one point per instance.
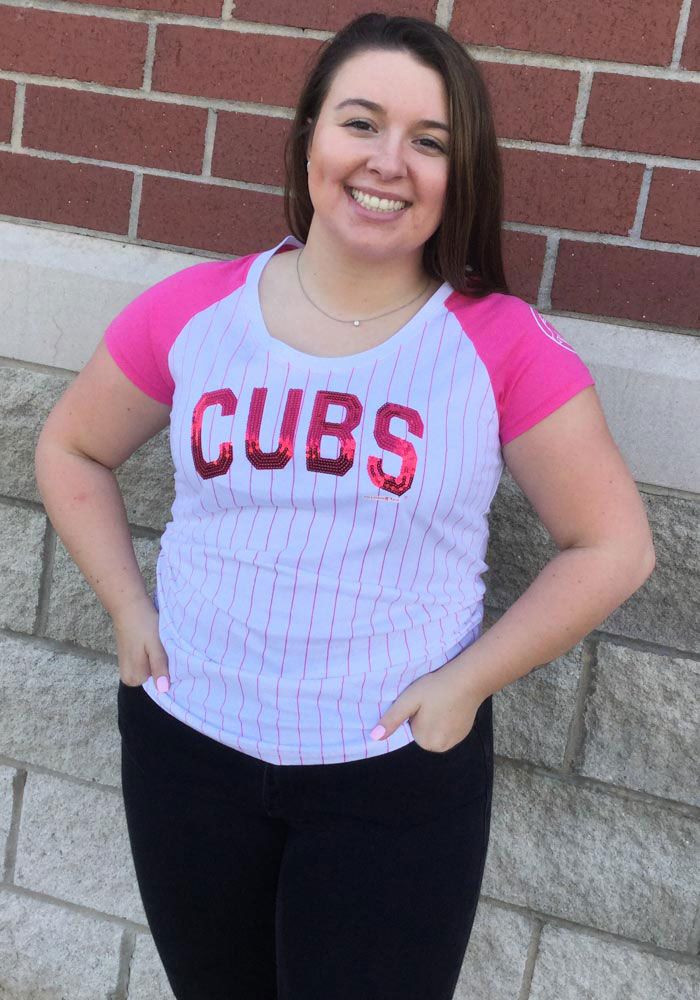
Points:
(320, 427)
(227, 401)
(385, 439)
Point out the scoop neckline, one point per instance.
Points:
(258, 328)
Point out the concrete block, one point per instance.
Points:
(572, 965)
(50, 953)
(638, 372)
(59, 711)
(617, 864)
(532, 716)
(26, 397)
(147, 980)
(45, 272)
(146, 481)
(642, 723)
(495, 961)
(75, 612)
(665, 609)
(22, 534)
(73, 845)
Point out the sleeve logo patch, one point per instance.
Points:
(549, 331)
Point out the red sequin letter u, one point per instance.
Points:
(227, 401)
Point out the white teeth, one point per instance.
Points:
(376, 204)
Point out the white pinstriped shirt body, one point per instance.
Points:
(329, 531)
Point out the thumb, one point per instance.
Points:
(403, 708)
(158, 660)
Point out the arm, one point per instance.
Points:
(100, 420)
(572, 473)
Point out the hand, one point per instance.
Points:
(441, 708)
(139, 650)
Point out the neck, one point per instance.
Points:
(349, 284)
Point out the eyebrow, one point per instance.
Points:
(372, 106)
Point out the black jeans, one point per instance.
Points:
(344, 881)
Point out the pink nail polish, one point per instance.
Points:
(162, 684)
(378, 733)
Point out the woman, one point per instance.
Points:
(306, 712)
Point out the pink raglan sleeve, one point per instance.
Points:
(140, 337)
(533, 370)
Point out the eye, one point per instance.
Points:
(429, 143)
(359, 123)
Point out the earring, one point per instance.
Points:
(308, 165)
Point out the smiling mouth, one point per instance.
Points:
(375, 204)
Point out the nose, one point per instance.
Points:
(387, 158)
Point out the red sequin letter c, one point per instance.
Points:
(320, 427)
(227, 401)
(385, 439)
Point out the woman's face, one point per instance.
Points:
(379, 155)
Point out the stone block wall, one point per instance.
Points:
(592, 882)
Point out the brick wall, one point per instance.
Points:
(115, 116)
(159, 124)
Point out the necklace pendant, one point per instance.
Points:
(356, 322)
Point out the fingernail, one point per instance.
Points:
(163, 684)
(378, 733)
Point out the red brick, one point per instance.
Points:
(570, 192)
(641, 32)
(122, 129)
(326, 16)
(268, 69)
(644, 115)
(672, 209)
(530, 102)
(690, 57)
(250, 148)
(73, 46)
(200, 8)
(70, 194)
(647, 286)
(209, 217)
(7, 108)
(523, 259)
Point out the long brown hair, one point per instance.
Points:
(465, 250)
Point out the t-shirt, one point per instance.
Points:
(329, 528)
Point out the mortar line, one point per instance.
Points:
(551, 252)
(149, 58)
(636, 228)
(156, 18)
(80, 908)
(46, 579)
(209, 139)
(681, 32)
(582, 99)
(227, 10)
(127, 946)
(564, 923)
(530, 960)
(577, 727)
(19, 780)
(18, 117)
(443, 13)
(135, 205)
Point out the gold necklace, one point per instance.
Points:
(356, 322)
